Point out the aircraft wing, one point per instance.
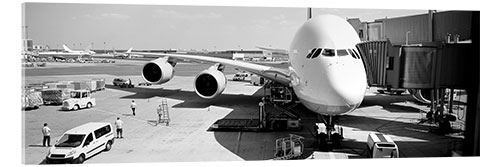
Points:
(278, 75)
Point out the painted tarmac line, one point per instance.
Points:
(122, 116)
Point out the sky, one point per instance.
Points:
(121, 26)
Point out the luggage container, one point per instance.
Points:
(91, 85)
(66, 86)
(100, 83)
(79, 85)
(31, 99)
(382, 146)
(52, 85)
(55, 96)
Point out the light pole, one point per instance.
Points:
(104, 47)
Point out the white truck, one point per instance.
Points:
(382, 146)
(78, 99)
(257, 80)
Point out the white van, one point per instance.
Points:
(81, 142)
(382, 146)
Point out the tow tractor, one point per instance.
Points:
(78, 99)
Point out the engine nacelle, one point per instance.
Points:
(210, 83)
(158, 71)
(421, 95)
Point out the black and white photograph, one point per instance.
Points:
(112, 83)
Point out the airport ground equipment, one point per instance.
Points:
(276, 112)
(163, 110)
(240, 76)
(100, 83)
(382, 146)
(55, 96)
(257, 80)
(79, 99)
(123, 83)
(31, 99)
(289, 147)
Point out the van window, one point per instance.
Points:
(102, 131)
(89, 139)
(70, 140)
(85, 94)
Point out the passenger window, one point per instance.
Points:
(310, 53)
(89, 139)
(329, 52)
(316, 54)
(342, 52)
(84, 94)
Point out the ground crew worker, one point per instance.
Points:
(160, 112)
(119, 128)
(132, 106)
(46, 135)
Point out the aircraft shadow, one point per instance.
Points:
(419, 139)
(389, 103)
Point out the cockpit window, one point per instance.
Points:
(316, 54)
(329, 52)
(310, 53)
(342, 52)
(351, 52)
(357, 53)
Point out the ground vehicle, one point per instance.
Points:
(31, 99)
(81, 142)
(257, 80)
(55, 96)
(382, 146)
(121, 82)
(240, 76)
(78, 99)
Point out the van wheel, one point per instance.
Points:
(89, 105)
(108, 146)
(76, 107)
(80, 159)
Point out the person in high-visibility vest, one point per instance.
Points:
(160, 112)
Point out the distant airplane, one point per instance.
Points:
(326, 72)
(85, 52)
(274, 50)
(67, 53)
(125, 55)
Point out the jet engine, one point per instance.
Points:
(421, 95)
(210, 83)
(158, 71)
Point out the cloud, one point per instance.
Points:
(185, 16)
(103, 16)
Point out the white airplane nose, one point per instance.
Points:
(348, 85)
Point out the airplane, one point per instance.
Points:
(274, 50)
(125, 55)
(67, 53)
(84, 52)
(326, 72)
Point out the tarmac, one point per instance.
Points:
(186, 138)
